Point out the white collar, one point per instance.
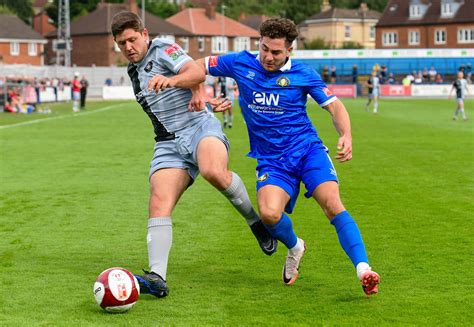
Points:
(284, 68)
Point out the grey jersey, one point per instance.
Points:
(167, 109)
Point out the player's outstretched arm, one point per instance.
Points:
(189, 76)
(342, 123)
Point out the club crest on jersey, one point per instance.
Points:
(213, 61)
(262, 178)
(283, 81)
(149, 66)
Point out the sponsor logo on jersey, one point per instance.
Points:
(149, 66)
(327, 92)
(250, 74)
(262, 178)
(283, 81)
(174, 51)
(266, 99)
(213, 61)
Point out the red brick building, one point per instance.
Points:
(92, 41)
(19, 43)
(213, 33)
(426, 24)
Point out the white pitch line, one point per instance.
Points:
(30, 122)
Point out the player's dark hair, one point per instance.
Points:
(124, 20)
(279, 28)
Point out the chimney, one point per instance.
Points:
(325, 6)
(211, 11)
(363, 7)
(132, 6)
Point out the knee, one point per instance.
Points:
(269, 215)
(159, 206)
(332, 207)
(216, 176)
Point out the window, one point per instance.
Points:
(415, 11)
(347, 32)
(15, 48)
(219, 44)
(185, 42)
(32, 49)
(440, 37)
(241, 43)
(168, 37)
(390, 38)
(413, 38)
(446, 9)
(466, 35)
(201, 44)
(372, 32)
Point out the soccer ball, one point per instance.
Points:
(116, 290)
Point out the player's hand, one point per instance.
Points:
(344, 149)
(220, 104)
(198, 102)
(160, 82)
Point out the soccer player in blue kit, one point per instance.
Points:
(273, 96)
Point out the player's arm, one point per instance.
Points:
(342, 123)
(188, 76)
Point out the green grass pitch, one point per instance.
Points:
(73, 202)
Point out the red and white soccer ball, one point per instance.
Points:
(116, 290)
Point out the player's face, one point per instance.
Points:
(273, 53)
(133, 44)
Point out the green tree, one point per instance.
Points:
(21, 8)
(316, 44)
(351, 45)
(161, 8)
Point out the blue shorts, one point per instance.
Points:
(310, 165)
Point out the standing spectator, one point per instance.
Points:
(355, 74)
(326, 74)
(383, 74)
(432, 74)
(333, 74)
(121, 81)
(460, 85)
(84, 86)
(468, 73)
(76, 92)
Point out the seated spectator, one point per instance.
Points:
(418, 78)
(325, 74)
(439, 79)
(391, 79)
(432, 74)
(426, 75)
(406, 81)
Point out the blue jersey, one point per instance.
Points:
(273, 103)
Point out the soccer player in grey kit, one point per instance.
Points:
(188, 142)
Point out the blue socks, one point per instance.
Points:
(283, 231)
(350, 238)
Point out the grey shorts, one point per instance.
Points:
(182, 151)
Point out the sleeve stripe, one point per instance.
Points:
(322, 105)
(206, 60)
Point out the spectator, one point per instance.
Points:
(406, 81)
(121, 81)
(333, 74)
(432, 74)
(383, 74)
(355, 74)
(326, 74)
(76, 92)
(426, 75)
(391, 79)
(84, 86)
(439, 79)
(418, 78)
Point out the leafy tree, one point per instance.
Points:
(316, 44)
(351, 45)
(22, 8)
(161, 8)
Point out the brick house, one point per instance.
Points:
(92, 41)
(338, 25)
(213, 33)
(426, 24)
(19, 43)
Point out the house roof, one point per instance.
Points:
(342, 13)
(254, 21)
(12, 27)
(98, 22)
(195, 21)
(396, 13)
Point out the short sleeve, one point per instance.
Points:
(221, 65)
(172, 56)
(319, 90)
